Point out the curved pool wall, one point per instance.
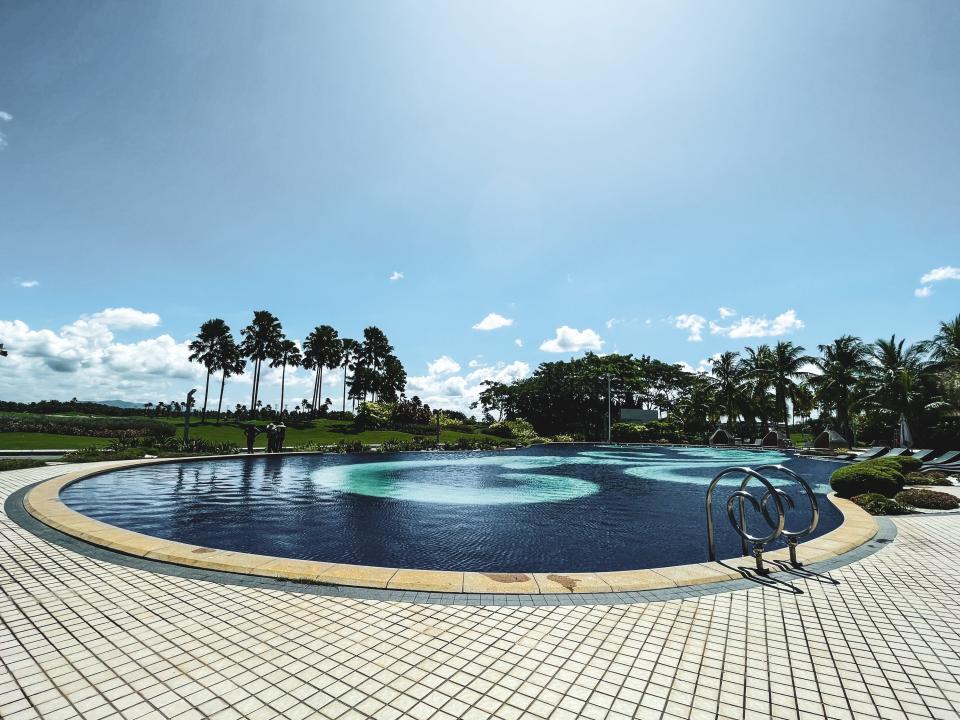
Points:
(553, 508)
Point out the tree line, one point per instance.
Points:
(855, 387)
(371, 371)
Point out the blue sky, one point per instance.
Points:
(621, 170)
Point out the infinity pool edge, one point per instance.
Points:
(44, 504)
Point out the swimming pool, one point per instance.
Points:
(550, 508)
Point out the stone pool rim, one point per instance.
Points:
(44, 504)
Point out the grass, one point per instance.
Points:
(48, 441)
(323, 432)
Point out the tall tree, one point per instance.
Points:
(322, 349)
(205, 349)
(786, 373)
(892, 377)
(287, 354)
(230, 362)
(944, 348)
(261, 339)
(728, 381)
(348, 353)
(840, 366)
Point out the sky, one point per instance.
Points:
(493, 184)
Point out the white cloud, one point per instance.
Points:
(570, 339)
(443, 365)
(611, 322)
(4, 117)
(753, 327)
(29, 283)
(705, 366)
(396, 275)
(457, 392)
(726, 312)
(492, 322)
(922, 292)
(946, 272)
(693, 323)
(126, 318)
(518, 342)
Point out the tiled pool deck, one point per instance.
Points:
(81, 637)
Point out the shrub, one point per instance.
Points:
(519, 430)
(903, 464)
(934, 477)
(19, 463)
(877, 504)
(653, 431)
(869, 476)
(928, 499)
(93, 427)
(562, 438)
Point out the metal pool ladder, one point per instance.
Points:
(778, 497)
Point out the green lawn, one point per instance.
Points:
(324, 432)
(48, 441)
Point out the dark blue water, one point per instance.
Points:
(563, 508)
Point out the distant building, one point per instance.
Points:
(636, 415)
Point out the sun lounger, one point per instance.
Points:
(944, 459)
(896, 452)
(922, 455)
(870, 454)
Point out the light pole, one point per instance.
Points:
(609, 413)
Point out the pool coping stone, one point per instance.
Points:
(42, 502)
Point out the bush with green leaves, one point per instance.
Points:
(519, 430)
(869, 476)
(132, 428)
(19, 463)
(877, 504)
(934, 477)
(903, 464)
(928, 499)
(563, 438)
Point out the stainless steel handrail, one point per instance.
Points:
(779, 499)
(793, 536)
(740, 496)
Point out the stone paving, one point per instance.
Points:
(878, 638)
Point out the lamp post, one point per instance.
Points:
(609, 412)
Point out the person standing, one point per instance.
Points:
(271, 437)
(251, 431)
(281, 431)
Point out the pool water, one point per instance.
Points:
(558, 508)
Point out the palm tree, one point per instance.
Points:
(728, 381)
(944, 348)
(786, 368)
(205, 350)
(892, 379)
(260, 340)
(348, 354)
(321, 349)
(756, 369)
(841, 364)
(230, 361)
(288, 353)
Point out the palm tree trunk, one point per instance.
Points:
(283, 382)
(206, 391)
(223, 381)
(319, 387)
(256, 386)
(316, 392)
(344, 407)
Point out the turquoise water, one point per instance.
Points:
(546, 508)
